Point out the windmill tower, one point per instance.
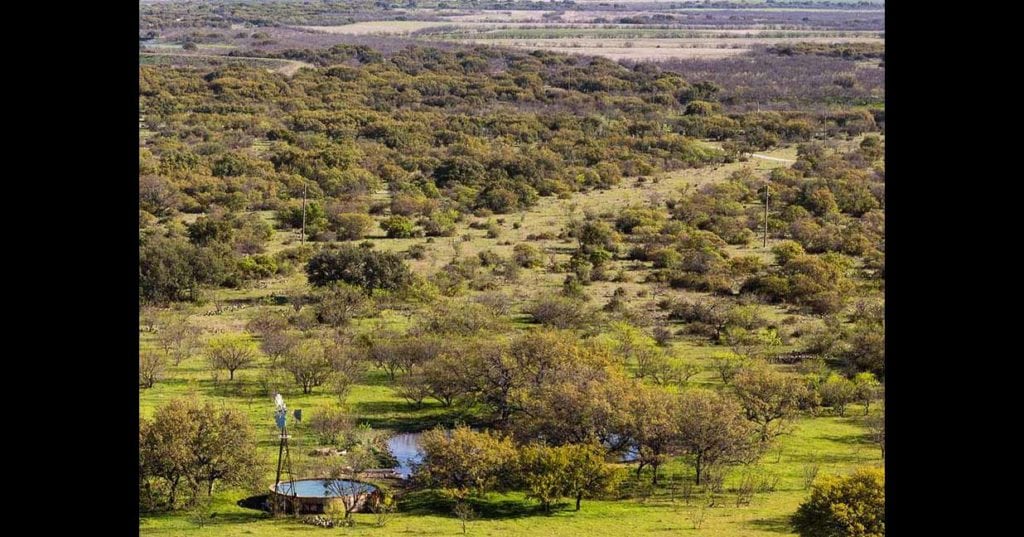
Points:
(284, 460)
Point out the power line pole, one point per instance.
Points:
(303, 214)
(766, 186)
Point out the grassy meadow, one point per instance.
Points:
(835, 444)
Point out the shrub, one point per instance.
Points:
(837, 392)
(417, 251)
(361, 267)
(851, 506)
(787, 250)
(527, 255)
(329, 424)
(352, 226)
(560, 312)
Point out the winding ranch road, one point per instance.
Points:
(287, 67)
(776, 159)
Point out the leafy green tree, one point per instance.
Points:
(352, 226)
(195, 446)
(786, 250)
(368, 269)
(871, 146)
(251, 234)
(171, 269)
(651, 427)
(609, 174)
(441, 223)
(330, 424)
(866, 348)
(728, 365)
(462, 462)
(580, 395)
(836, 392)
(866, 386)
(595, 233)
(458, 169)
(820, 201)
(460, 317)
(848, 506)
(768, 398)
(316, 217)
(206, 230)
(587, 475)
(542, 471)
(700, 108)
(666, 258)
(398, 227)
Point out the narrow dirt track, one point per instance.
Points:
(776, 159)
(287, 67)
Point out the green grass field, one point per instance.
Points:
(836, 444)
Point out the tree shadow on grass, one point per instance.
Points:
(415, 424)
(822, 458)
(854, 439)
(778, 524)
(251, 301)
(429, 502)
(377, 378)
(395, 415)
(236, 518)
(258, 502)
(381, 407)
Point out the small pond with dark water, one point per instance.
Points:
(406, 449)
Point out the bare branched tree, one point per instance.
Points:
(151, 365)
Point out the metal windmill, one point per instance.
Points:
(284, 459)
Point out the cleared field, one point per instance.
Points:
(592, 15)
(621, 51)
(653, 49)
(515, 15)
(520, 29)
(674, 2)
(554, 31)
(377, 27)
(500, 29)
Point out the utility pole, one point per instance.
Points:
(766, 186)
(303, 213)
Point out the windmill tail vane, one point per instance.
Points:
(282, 411)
